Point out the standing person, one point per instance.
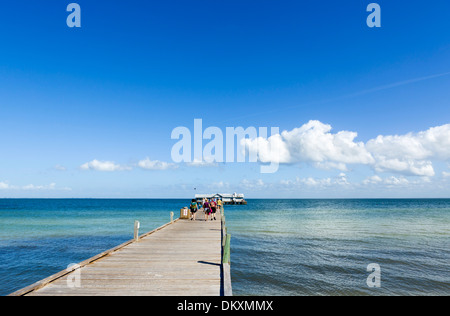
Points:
(194, 208)
(213, 206)
(207, 209)
(219, 205)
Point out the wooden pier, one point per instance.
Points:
(181, 258)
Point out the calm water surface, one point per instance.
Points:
(279, 247)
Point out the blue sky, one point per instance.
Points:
(113, 90)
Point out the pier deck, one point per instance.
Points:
(181, 259)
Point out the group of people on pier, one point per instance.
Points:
(209, 206)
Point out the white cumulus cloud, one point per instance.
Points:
(315, 143)
(411, 153)
(4, 186)
(108, 166)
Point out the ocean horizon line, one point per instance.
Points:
(251, 198)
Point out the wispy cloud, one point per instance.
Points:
(346, 96)
(202, 163)
(110, 166)
(396, 84)
(311, 182)
(32, 187)
(253, 184)
(148, 164)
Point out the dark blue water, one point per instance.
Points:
(279, 247)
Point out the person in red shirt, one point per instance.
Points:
(207, 209)
(213, 206)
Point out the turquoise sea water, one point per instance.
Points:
(279, 247)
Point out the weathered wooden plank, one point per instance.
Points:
(227, 289)
(133, 292)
